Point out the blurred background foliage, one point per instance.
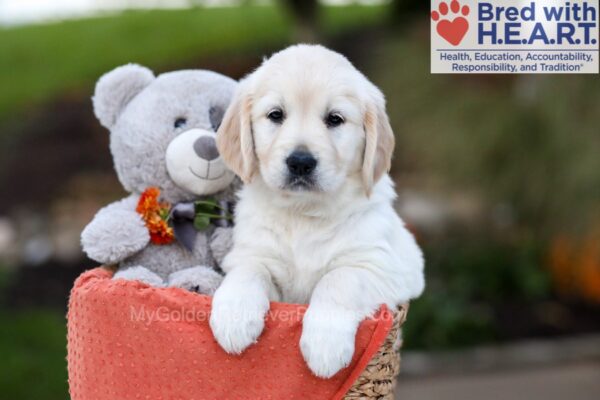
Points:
(498, 176)
(41, 61)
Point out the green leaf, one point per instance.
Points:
(164, 214)
(210, 215)
(201, 222)
(209, 203)
(206, 210)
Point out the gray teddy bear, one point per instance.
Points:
(174, 228)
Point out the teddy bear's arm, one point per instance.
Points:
(116, 233)
(221, 243)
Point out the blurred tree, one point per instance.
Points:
(405, 9)
(306, 18)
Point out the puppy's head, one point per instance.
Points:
(307, 121)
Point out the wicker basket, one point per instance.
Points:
(378, 380)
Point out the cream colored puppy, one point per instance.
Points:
(309, 135)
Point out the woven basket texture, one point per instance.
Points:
(379, 377)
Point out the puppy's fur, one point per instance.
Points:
(330, 238)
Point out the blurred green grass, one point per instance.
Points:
(33, 349)
(41, 61)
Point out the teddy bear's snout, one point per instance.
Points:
(206, 148)
(194, 163)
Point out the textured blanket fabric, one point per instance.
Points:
(127, 340)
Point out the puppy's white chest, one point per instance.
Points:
(304, 258)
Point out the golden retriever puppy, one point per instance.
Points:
(309, 135)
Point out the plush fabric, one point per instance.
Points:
(162, 134)
(117, 230)
(115, 353)
(116, 89)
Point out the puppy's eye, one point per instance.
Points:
(276, 115)
(180, 123)
(334, 119)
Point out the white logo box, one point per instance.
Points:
(509, 36)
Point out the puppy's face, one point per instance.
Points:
(308, 128)
(307, 121)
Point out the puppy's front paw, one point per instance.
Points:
(238, 317)
(327, 344)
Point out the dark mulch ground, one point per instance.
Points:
(45, 286)
(550, 318)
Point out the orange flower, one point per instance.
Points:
(155, 214)
(575, 265)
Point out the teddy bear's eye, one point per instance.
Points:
(180, 122)
(215, 114)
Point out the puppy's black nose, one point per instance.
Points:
(301, 163)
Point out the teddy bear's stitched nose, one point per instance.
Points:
(206, 148)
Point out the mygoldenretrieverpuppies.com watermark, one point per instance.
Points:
(163, 314)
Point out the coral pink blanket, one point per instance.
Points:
(127, 340)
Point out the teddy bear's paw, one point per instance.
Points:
(203, 280)
(112, 237)
(139, 273)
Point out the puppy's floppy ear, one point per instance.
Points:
(379, 144)
(234, 137)
(116, 88)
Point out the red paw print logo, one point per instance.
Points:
(453, 30)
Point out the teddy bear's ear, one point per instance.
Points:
(116, 88)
